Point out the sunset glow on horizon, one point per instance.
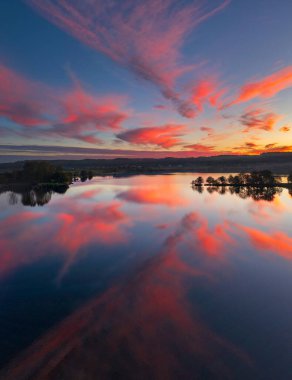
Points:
(160, 78)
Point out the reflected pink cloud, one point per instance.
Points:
(143, 323)
(209, 241)
(264, 212)
(11, 254)
(277, 242)
(65, 231)
(79, 226)
(167, 194)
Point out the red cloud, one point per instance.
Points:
(266, 87)
(165, 136)
(145, 37)
(259, 119)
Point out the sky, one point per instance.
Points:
(153, 78)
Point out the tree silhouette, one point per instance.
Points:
(222, 180)
(210, 181)
(198, 181)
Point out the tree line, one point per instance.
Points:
(44, 172)
(256, 179)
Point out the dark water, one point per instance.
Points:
(146, 278)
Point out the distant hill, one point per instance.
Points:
(280, 163)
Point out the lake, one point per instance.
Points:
(146, 277)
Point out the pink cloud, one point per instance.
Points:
(165, 136)
(265, 88)
(207, 91)
(259, 119)
(22, 101)
(145, 37)
(84, 115)
(201, 148)
(72, 113)
(209, 130)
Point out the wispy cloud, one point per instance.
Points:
(266, 87)
(285, 128)
(208, 91)
(257, 118)
(202, 149)
(22, 101)
(165, 136)
(145, 37)
(250, 147)
(43, 111)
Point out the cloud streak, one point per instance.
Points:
(22, 101)
(266, 87)
(259, 119)
(165, 136)
(43, 111)
(208, 91)
(145, 37)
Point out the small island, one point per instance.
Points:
(259, 179)
(36, 181)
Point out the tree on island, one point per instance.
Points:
(210, 181)
(43, 171)
(263, 178)
(38, 172)
(198, 181)
(222, 180)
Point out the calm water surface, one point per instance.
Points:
(146, 278)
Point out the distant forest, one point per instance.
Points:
(43, 172)
(278, 163)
